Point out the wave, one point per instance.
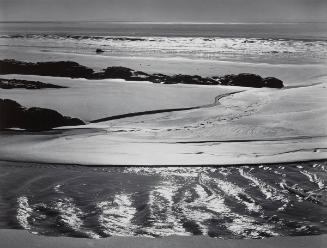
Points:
(212, 48)
(224, 202)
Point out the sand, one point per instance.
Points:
(250, 126)
(94, 99)
(291, 74)
(18, 239)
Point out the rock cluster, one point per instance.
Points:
(75, 70)
(26, 84)
(243, 79)
(250, 80)
(13, 115)
(55, 69)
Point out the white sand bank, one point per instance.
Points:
(18, 239)
(254, 126)
(94, 99)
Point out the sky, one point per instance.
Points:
(165, 10)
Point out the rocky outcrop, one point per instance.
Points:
(74, 70)
(56, 69)
(13, 115)
(250, 80)
(117, 72)
(26, 84)
(122, 73)
(99, 50)
(181, 79)
(243, 79)
(272, 82)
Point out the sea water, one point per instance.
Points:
(289, 43)
(224, 202)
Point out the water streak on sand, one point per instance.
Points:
(151, 112)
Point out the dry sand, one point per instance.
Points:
(249, 127)
(94, 99)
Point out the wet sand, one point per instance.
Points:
(18, 239)
(291, 74)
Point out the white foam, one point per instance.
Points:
(231, 189)
(313, 177)
(24, 212)
(241, 225)
(71, 216)
(161, 211)
(57, 188)
(116, 215)
(269, 191)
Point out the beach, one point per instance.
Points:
(32, 241)
(241, 128)
(200, 156)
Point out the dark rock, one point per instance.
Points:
(74, 70)
(181, 79)
(186, 79)
(248, 41)
(42, 119)
(118, 72)
(73, 121)
(157, 78)
(272, 82)
(57, 69)
(140, 74)
(99, 50)
(249, 80)
(243, 79)
(63, 69)
(13, 114)
(26, 84)
(121, 73)
(195, 79)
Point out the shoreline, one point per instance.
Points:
(32, 163)
(20, 238)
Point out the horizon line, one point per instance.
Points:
(168, 22)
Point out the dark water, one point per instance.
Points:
(232, 202)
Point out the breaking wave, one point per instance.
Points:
(203, 48)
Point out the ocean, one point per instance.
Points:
(288, 43)
(308, 31)
(223, 202)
